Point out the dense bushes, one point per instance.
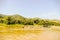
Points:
(17, 19)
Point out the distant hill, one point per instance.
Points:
(18, 19)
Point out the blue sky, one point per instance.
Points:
(49, 9)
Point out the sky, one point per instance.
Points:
(47, 9)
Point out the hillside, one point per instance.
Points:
(18, 19)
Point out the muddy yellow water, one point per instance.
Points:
(30, 35)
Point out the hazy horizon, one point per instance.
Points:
(47, 9)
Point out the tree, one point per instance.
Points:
(18, 19)
(46, 24)
(29, 22)
(11, 20)
(1, 21)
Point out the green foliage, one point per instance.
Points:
(36, 21)
(10, 20)
(18, 19)
(47, 24)
(28, 22)
(1, 21)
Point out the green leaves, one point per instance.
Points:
(18, 19)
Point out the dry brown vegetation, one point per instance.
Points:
(42, 34)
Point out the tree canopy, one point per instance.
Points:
(18, 19)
